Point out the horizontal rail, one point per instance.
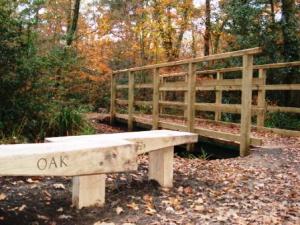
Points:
(174, 86)
(250, 51)
(227, 82)
(229, 108)
(255, 67)
(143, 86)
(283, 109)
(221, 70)
(277, 65)
(179, 74)
(173, 103)
(142, 103)
(122, 102)
(122, 86)
(280, 87)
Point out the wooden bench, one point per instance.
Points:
(88, 158)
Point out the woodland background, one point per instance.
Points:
(56, 55)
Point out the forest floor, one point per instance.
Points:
(262, 188)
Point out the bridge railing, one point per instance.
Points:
(190, 79)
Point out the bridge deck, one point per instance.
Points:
(220, 131)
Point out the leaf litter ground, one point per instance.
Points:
(262, 188)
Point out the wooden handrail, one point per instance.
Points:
(190, 85)
(250, 51)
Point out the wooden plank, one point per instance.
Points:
(191, 97)
(289, 133)
(202, 132)
(218, 113)
(246, 104)
(130, 100)
(146, 141)
(161, 166)
(226, 55)
(174, 86)
(280, 87)
(222, 70)
(67, 159)
(148, 86)
(277, 65)
(88, 191)
(185, 113)
(155, 100)
(261, 98)
(162, 95)
(179, 74)
(226, 136)
(172, 126)
(121, 86)
(112, 99)
(283, 109)
(229, 108)
(173, 104)
(227, 82)
(121, 101)
(143, 103)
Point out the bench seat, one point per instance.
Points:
(88, 158)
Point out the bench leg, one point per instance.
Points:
(161, 166)
(88, 190)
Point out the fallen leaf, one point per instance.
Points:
(64, 217)
(133, 206)
(119, 210)
(199, 208)
(188, 190)
(22, 208)
(2, 196)
(42, 217)
(170, 210)
(150, 211)
(59, 186)
(103, 223)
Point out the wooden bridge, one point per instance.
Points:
(191, 76)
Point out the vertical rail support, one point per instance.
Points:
(161, 166)
(155, 100)
(185, 97)
(162, 96)
(218, 113)
(130, 100)
(113, 93)
(191, 101)
(261, 98)
(246, 104)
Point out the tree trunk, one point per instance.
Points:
(72, 28)
(291, 45)
(207, 27)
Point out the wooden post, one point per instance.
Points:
(113, 98)
(161, 166)
(218, 113)
(261, 98)
(191, 97)
(88, 191)
(191, 101)
(162, 96)
(185, 97)
(155, 107)
(130, 100)
(246, 104)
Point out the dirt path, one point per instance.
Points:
(262, 188)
